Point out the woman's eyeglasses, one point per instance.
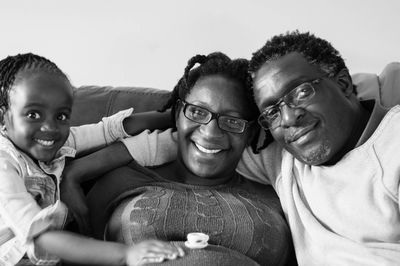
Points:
(271, 117)
(203, 116)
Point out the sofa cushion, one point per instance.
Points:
(91, 103)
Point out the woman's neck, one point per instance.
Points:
(178, 172)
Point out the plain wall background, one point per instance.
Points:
(148, 42)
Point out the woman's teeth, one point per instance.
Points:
(46, 143)
(202, 149)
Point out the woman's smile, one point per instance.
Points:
(206, 150)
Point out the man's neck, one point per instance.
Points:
(360, 123)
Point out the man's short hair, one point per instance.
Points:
(315, 50)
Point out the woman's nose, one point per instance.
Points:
(211, 129)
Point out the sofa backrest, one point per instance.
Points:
(91, 103)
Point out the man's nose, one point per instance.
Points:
(290, 116)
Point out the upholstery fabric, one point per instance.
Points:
(91, 103)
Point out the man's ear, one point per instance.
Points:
(345, 82)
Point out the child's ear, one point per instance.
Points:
(345, 82)
(2, 114)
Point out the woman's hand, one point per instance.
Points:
(73, 196)
(152, 251)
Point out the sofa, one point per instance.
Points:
(91, 103)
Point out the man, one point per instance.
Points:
(335, 160)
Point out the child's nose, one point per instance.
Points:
(49, 125)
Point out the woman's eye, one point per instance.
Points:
(197, 112)
(233, 121)
(33, 115)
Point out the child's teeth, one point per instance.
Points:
(45, 142)
(201, 148)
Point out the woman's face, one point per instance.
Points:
(206, 150)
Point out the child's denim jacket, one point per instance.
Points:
(29, 193)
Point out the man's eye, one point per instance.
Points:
(63, 117)
(303, 92)
(272, 112)
(33, 115)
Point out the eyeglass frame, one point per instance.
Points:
(288, 103)
(214, 115)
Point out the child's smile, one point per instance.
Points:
(46, 143)
(37, 120)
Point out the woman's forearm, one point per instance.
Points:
(98, 163)
(151, 120)
(78, 249)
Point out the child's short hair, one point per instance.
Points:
(12, 65)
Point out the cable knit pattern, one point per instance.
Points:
(242, 216)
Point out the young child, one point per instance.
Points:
(35, 106)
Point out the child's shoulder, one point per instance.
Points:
(7, 146)
(10, 157)
(9, 153)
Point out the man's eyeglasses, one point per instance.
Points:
(271, 117)
(203, 116)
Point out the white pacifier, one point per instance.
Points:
(197, 240)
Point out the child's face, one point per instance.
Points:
(37, 120)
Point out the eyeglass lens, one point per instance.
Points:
(204, 116)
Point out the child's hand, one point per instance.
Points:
(151, 251)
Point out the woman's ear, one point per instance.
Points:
(252, 134)
(178, 106)
(345, 82)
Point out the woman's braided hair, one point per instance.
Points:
(214, 64)
(11, 66)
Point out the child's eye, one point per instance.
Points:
(63, 117)
(33, 115)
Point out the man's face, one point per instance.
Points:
(318, 130)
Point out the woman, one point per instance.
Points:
(213, 110)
